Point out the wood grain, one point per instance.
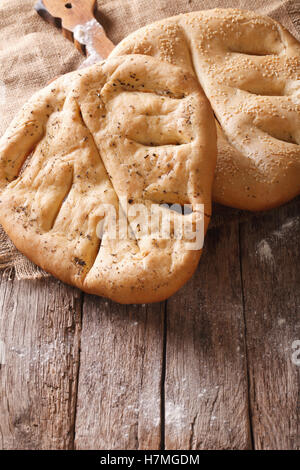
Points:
(119, 394)
(146, 383)
(206, 390)
(270, 268)
(39, 330)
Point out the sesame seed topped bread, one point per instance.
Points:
(249, 68)
(130, 130)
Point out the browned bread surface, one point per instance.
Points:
(249, 68)
(128, 130)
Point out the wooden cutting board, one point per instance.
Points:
(77, 21)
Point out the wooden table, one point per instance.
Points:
(211, 368)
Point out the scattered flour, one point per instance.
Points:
(265, 252)
(2, 352)
(175, 415)
(264, 249)
(287, 228)
(149, 408)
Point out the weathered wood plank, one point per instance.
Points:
(40, 331)
(206, 388)
(270, 269)
(119, 395)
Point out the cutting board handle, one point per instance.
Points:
(78, 23)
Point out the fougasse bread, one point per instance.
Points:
(130, 130)
(249, 68)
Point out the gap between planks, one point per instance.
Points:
(246, 345)
(163, 375)
(102, 434)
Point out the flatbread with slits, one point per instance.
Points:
(249, 68)
(127, 131)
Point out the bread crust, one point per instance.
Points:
(249, 68)
(130, 129)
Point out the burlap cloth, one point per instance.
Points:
(32, 52)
